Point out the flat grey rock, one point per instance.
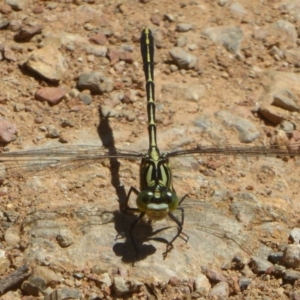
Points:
(183, 27)
(285, 100)
(213, 237)
(95, 82)
(288, 29)
(184, 91)
(260, 265)
(183, 59)
(247, 130)
(230, 37)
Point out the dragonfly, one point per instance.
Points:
(156, 199)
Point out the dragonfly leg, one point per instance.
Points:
(179, 230)
(131, 235)
(182, 199)
(127, 209)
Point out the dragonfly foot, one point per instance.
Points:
(168, 249)
(184, 236)
(136, 258)
(120, 236)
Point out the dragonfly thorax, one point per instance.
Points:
(157, 202)
(155, 172)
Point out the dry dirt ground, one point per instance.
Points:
(61, 220)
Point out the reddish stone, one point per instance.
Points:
(296, 135)
(77, 108)
(52, 95)
(113, 56)
(119, 85)
(99, 39)
(234, 284)
(126, 99)
(174, 281)
(156, 19)
(38, 9)
(214, 275)
(127, 57)
(5, 9)
(7, 130)
(9, 54)
(28, 32)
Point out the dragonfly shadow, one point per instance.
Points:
(124, 246)
(143, 233)
(106, 135)
(122, 221)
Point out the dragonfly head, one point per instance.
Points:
(157, 202)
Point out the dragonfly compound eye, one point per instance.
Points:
(171, 199)
(143, 199)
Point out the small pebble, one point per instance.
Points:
(184, 27)
(291, 256)
(65, 238)
(156, 19)
(5, 9)
(11, 238)
(222, 2)
(120, 286)
(219, 291)
(85, 98)
(38, 9)
(99, 39)
(173, 68)
(53, 132)
(275, 257)
(33, 285)
(97, 269)
(260, 265)
(183, 59)
(4, 23)
(213, 275)
(48, 275)
(244, 282)
(8, 130)
(202, 282)
(65, 293)
(52, 95)
(74, 93)
(181, 41)
(169, 17)
(192, 47)
(291, 275)
(17, 4)
(27, 32)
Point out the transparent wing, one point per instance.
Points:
(292, 149)
(235, 226)
(69, 152)
(58, 159)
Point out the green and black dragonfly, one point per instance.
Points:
(156, 198)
